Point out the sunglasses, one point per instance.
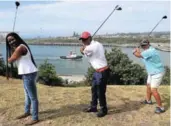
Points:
(84, 39)
(11, 41)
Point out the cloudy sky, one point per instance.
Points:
(62, 18)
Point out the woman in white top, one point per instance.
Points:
(28, 70)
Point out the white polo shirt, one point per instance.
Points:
(95, 54)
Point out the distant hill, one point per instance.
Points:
(164, 34)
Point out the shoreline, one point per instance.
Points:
(72, 78)
(159, 46)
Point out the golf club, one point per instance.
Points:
(164, 17)
(17, 5)
(116, 8)
(8, 52)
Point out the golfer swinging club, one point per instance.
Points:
(155, 70)
(27, 68)
(94, 51)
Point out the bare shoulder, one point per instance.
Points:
(22, 49)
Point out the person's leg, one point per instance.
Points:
(148, 92)
(94, 97)
(157, 97)
(27, 101)
(102, 97)
(102, 93)
(159, 109)
(32, 93)
(155, 83)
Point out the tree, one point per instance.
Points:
(48, 76)
(123, 70)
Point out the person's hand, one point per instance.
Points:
(136, 50)
(82, 49)
(8, 59)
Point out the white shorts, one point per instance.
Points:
(155, 80)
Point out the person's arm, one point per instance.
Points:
(82, 50)
(145, 54)
(19, 51)
(137, 53)
(88, 51)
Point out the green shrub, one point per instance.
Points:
(48, 76)
(13, 73)
(89, 75)
(123, 70)
(2, 67)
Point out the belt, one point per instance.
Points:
(102, 69)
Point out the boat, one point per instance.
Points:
(76, 57)
(72, 56)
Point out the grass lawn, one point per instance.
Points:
(62, 106)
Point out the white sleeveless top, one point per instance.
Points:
(25, 64)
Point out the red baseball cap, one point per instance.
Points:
(85, 35)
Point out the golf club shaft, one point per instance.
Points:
(155, 27)
(11, 68)
(15, 18)
(8, 52)
(7, 69)
(105, 20)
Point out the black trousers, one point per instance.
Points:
(98, 89)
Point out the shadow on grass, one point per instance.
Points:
(71, 109)
(3, 110)
(127, 106)
(74, 109)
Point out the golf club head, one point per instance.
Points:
(119, 8)
(165, 17)
(17, 3)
